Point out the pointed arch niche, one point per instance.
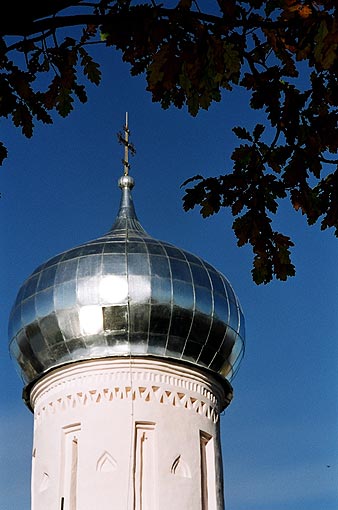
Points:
(44, 482)
(106, 463)
(180, 468)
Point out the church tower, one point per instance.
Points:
(126, 345)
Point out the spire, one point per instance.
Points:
(126, 217)
(126, 181)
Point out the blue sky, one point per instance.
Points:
(60, 189)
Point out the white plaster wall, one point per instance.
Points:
(136, 424)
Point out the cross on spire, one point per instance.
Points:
(123, 138)
(126, 164)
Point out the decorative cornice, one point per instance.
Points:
(104, 382)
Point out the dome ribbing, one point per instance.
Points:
(126, 294)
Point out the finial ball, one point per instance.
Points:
(126, 182)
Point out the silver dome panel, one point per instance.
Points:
(126, 294)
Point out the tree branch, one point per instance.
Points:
(330, 161)
(51, 23)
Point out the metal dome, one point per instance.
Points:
(126, 294)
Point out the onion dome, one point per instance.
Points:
(126, 294)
